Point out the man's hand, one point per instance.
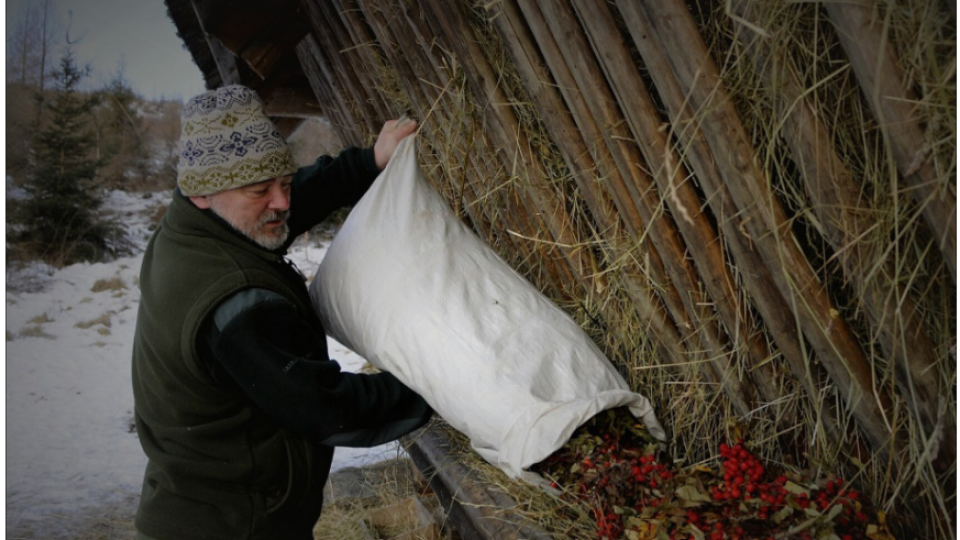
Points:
(390, 136)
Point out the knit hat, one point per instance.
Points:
(227, 141)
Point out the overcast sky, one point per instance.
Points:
(137, 33)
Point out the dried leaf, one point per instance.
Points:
(875, 532)
(833, 512)
(697, 533)
(644, 529)
(702, 469)
(811, 512)
(782, 514)
(796, 489)
(879, 532)
(691, 496)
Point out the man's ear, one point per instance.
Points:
(202, 201)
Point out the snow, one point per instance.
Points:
(70, 447)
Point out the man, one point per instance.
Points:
(237, 404)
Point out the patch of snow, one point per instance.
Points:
(30, 276)
(15, 192)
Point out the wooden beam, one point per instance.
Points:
(239, 22)
(316, 65)
(266, 52)
(261, 34)
(293, 102)
(631, 188)
(692, 90)
(527, 56)
(875, 64)
(223, 57)
(843, 213)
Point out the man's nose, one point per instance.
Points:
(279, 197)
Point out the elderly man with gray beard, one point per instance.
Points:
(238, 406)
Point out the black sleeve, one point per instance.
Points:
(328, 185)
(281, 364)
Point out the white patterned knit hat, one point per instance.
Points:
(227, 141)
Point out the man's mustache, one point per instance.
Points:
(274, 216)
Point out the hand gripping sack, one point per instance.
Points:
(410, 288)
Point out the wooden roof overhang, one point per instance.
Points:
(252, 43)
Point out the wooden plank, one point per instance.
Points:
(632, 185)
(653, 269)
(389, 33)
(838, 202)
(763, 292)
(479, 511)
(354, 94)
(292, 101)
(542, 203)
(690, 86)
(525, 54)
(598, 187)
(350, 68)
(313, 61)
(673, 180)
(875, 64)
(364, 46)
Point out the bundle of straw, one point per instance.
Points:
(751, 206)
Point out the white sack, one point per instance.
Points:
(409, 287)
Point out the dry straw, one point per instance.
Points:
(867, 240)
(352, 495)
(797, 295)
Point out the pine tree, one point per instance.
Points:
(60, 217)
(121, 142)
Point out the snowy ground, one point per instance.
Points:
(72, 455)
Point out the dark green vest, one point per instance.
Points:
(219, 468)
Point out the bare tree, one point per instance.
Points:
(29, 44)
(46, 35)
(23, 47)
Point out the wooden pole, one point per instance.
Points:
(633, 190)
(875, 64)
(543, 203)
(313, 62)
(677, 192)
(388, 29)
(360, 42)
(525, 54)
(837, 201)
(690, 86)
(587, 128)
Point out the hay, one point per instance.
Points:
(341, 522)
(352, 494)
(688, 285)
(872, 243)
